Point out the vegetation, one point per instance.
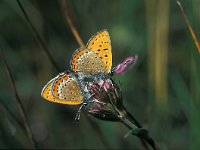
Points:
(37, 40)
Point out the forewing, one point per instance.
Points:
(87, 62)
(101, 45)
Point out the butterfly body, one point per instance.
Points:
(88, 65)
(86, 81)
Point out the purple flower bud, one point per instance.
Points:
(122, 68)
(107, 100)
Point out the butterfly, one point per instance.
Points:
(95, 60)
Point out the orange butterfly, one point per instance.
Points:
(96, 58)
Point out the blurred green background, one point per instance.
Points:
(162, 91)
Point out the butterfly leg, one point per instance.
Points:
(78, 114)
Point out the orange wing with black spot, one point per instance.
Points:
(63, 89)
(101, 45)
(87, 62)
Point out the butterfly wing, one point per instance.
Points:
(101, 45)
(63, 89)
(46, 91)
(87, 62)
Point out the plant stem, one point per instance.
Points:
(190, 27)
(19, 103)
(129, 121)
(71, 25)
(37, 37)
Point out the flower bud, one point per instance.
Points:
(126, 65)
(107, 100)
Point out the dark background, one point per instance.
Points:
(162, 91)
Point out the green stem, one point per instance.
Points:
(129, 121)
